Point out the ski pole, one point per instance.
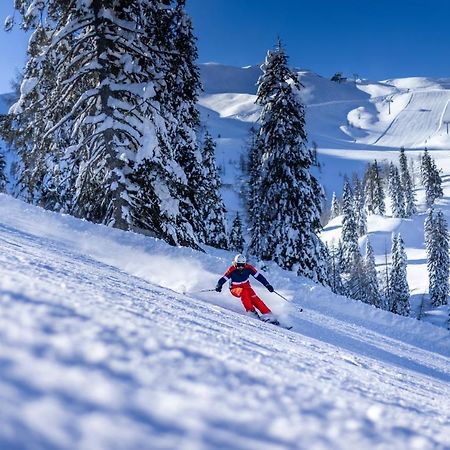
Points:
(202, 290)
(285, 299)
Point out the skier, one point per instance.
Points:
(238, 274)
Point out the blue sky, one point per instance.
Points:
(377, 39)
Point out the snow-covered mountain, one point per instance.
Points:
(352, 123)
(102, 350)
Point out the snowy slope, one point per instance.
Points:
(99, 350)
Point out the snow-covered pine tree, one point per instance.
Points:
(182, 79)
(164, 199)
(398, 283)
(407, 185)
(253, 196)
(385, 280)
(379, 191)
(55, 78)
(374, 192)
(287, 233)
(425, 167)
(97, 85)
(438, 262)
(431, 179)
(236, 239)
(372, 290)
(349, 238)
(352, 264)
(359, 200)
(362, 221)
(335, 270)
(354, 279)
(25, 126)
(335, 207)
(436, 181)
(390, 294)
(396, 192)
(212, 207)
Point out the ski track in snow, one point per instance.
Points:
(424, 114)
(93, 357)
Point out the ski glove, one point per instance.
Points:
(270, 288)
(218, 288)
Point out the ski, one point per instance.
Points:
(286, 327)
(276, 323)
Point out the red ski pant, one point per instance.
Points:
(249, 299)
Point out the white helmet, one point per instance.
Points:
(239, 260)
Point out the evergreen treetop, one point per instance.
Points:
(286, 234)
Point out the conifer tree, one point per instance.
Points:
(354, 279)
(286, 234)
(183, 84)
(379, 191)
(431, 179)
(371, 288)
(335, 269)
(353, 264)
(361, 222)
(438, 262)
(212, 208)
(425, 167)
(436, 181)
(25, 128)
(335, 207)
(374, 191)
(236, 240)
(106, 122)
(359, 206)
(253, 195)
(399, 289)
(350, 247)
(407, 185)
(396, 192)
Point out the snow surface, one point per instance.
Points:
(102, 350)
